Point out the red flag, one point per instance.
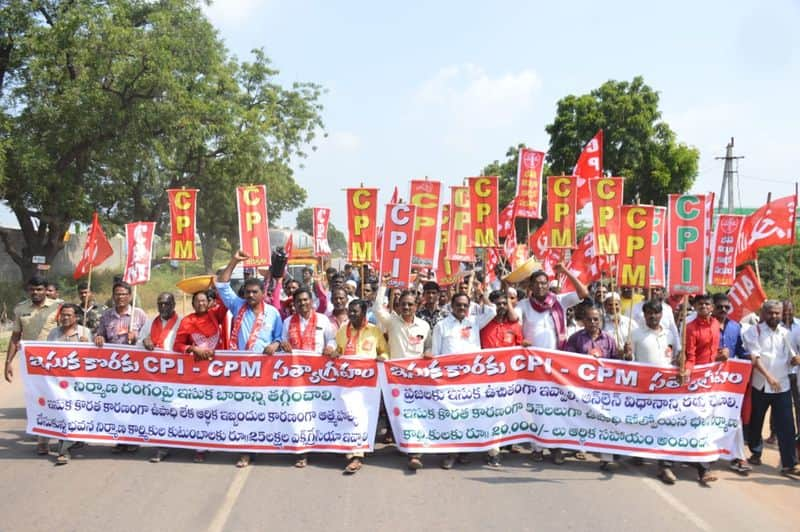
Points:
(589, 166)
(139, 236)
(771, 225)
(506, 228)
(492, 260)
(538, 242)
(96, 250)
(321, 217)
(289, 246)
(722, 271)
(584, 264)
(746, 294)
(395, 196)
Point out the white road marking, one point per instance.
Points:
(676, 504)
(228, 502)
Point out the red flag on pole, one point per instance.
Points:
(771, 225)
(139, 236)
(746, 294)
(289, 246)
(96, 250)
(589, 166)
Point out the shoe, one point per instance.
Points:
(463, 458)
(558, 456)
(515, 448)
(791, 472)
(608, 466)
(449, 461)
(243, 461)
(161, 454)
(772, 440)
(755, 459)
(666, 476)
(301, 462)
(353, 466)
(414, 463)
(493, 462)
(580, 455)
(740, 466)
(388, 439)
(63, 459)
(43, 448)
(199, 457)
(537, 456)
(706, 478)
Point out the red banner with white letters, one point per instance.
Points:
(426, 197)
(251, 202)
(745, 294)
(686, 244)
(529, 183)
(606, 197)
(722, 270)
(658, 251)
(483, 210)
(322, 216)
(139, 238)
(561, 211)
(362, 216)
(398, 242)
(183, 223)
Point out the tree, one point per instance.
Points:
(109, 103)
(638, 145)
(336, 238)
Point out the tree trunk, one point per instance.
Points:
(209, 244)
(45, 240)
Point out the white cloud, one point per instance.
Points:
(226, 12)
(343, 141)
(467, 95)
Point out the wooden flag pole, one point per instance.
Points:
(183, 277)
(682, 355)
(89, 289)
(791, 254)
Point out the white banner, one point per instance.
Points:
(235, 402)
(474, 402)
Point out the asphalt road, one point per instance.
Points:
(101, 491)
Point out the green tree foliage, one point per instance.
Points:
(336, 238)
(638, 145)
(112, 102)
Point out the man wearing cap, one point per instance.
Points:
(619, 326)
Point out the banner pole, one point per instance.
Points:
(682, 356)
(183, 277)
(133, 310)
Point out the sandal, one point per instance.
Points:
(414, 463)
(63, 459)
(537, 456)
(301, 462)
(43, 448)
(791, 472)
(160, 455)
(243, 461)
(199, 457)
(706, 478)
(353, 466)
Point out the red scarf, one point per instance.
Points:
(551, 305)
(305, 340)
(352, 339)
(237, 323)
(159, 333)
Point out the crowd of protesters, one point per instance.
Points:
(352, 312)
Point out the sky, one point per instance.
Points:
(440, 89)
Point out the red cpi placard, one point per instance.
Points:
(426, 196)
(362, 214)
(251, 202)
(722, 271)
(183, 223)
(606, 197)
(398, 241)
(459, 245)
(139, 237)
(561, 212)
(529, 183)
(484, 211)
(686, 245)
(636, 231)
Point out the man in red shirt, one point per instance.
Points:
(502, 331)
(703, 347)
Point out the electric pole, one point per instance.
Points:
(729, 174)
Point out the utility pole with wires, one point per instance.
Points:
(729, 174)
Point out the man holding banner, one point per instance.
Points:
(256, 326)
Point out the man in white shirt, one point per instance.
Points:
(667, 317)
(160, 331)
(544, 321)
(460, 333)
(771, 352)
(614, 323)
